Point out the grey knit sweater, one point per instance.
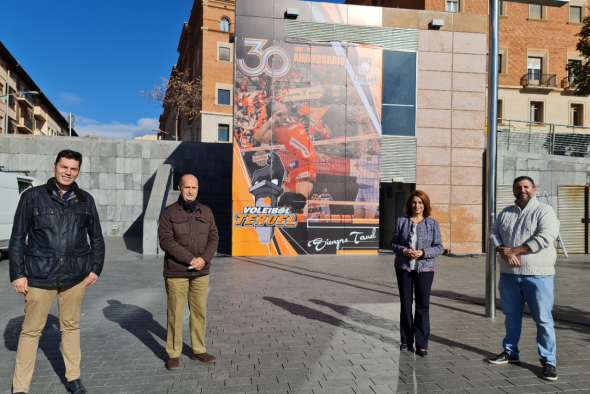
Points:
(537, 226)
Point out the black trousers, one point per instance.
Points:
(417, 327)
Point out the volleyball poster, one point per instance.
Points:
(307, 147)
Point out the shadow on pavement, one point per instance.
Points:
(381, 322)
(49, 342)
(310, 313)
(568, 317)
(140, 322)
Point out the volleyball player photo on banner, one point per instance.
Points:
(307, 147)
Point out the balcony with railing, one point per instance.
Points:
(25, 126)
(539, 81)
(26, 99)
(568, 84)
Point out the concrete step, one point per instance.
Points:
(172, 197)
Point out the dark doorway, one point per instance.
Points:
(391, 207)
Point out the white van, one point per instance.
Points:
(12, 185)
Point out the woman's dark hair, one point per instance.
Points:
(425, 200)
(69, 154)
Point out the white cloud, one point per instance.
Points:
(85, 126)
(70, 98)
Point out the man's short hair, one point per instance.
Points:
(523, 178)
(69, 154)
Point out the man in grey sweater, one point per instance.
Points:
(524, 237)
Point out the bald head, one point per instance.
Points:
(189, 187)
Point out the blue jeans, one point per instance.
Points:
(537, 292)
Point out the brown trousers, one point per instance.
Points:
(38, 301)
(178, 289)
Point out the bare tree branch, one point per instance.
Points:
(177, 95)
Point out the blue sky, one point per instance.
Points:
(93, 58)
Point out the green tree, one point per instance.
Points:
(579, 72)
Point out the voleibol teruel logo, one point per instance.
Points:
(365, 65)
(363, 70)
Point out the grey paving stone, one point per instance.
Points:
(265, 326)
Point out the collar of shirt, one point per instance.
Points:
(67, 194)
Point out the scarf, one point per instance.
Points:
(192, 205)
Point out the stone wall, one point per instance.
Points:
(548, 171)
(119, 173)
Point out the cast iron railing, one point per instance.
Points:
(539, 80)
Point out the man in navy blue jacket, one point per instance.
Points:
(58, 218)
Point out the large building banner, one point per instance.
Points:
(307, 147)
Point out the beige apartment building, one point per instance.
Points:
(205, 52)
(27, 114)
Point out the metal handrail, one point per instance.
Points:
(28, 97)
(568, 83)
(532, 79)
(28, 123)
(547, 124)
(545, 140)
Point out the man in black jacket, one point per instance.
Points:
(58, 219)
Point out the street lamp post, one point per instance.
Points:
(494, 36)
(491, 167)
(7, 98)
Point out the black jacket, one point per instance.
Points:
(57, 251)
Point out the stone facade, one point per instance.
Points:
(119, 173)
(450, 122)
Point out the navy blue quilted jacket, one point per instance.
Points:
(57, 252)
(428, 240)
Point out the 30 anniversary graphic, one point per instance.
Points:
(307, 145)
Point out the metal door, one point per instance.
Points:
(504, 197)
(572, 211)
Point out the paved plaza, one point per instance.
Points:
(304, 325)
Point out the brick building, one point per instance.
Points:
(27, 113)
(205, 52)
(536, 44)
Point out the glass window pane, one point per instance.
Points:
(223, 133)
(399, 120)
(452, 6)
(223, 97)
(399, 77)
(224, 25)
(576, 14)
(535, 11)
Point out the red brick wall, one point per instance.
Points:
(555, 35)
(213, 70)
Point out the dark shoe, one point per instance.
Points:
(173, 363)
(203, 357)
(76, 387)
(549, 372)
(504, 358)
(422, 353)
(403, 347)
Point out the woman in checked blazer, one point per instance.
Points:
(416, 242)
